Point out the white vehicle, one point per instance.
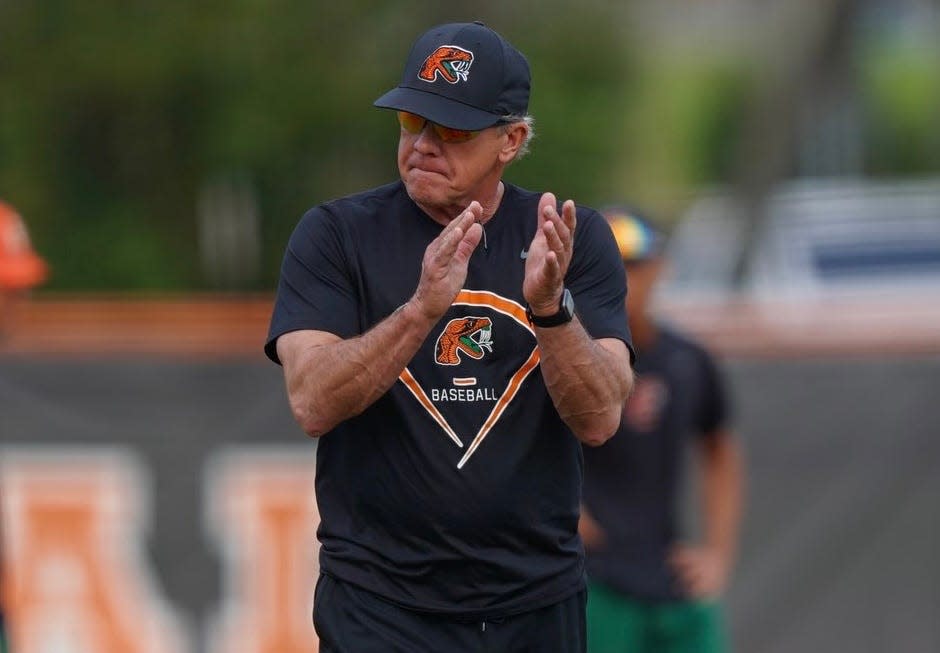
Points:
(835, 265)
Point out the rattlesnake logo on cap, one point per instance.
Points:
(452, 63)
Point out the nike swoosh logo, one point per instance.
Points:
(523, 254)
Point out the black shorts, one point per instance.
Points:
(351, 620)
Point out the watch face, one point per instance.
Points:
(563, 316)
(567, 303)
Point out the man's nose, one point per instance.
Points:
(427, 141)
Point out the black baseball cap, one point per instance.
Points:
(463, 76)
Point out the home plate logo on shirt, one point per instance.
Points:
(465, 340)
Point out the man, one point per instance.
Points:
(648, 591)
(452, 338)
(20, 269)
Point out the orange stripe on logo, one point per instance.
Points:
(497, 303)
(511, 391)
(408, 379)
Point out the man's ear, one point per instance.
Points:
(516, 134)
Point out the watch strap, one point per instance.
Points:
(564, 314)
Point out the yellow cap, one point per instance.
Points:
(636, 238)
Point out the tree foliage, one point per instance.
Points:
(116, 116)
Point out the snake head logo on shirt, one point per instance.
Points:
(458, 338)
(452, 63)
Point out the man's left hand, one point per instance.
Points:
(701, 570)
(549, 255)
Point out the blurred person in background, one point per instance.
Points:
(449, 501)
(21, 269)
(650, 592)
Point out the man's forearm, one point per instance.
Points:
(587, 381)
(330, 379)
(334, 381)
(722, 494)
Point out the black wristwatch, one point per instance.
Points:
(563, 316)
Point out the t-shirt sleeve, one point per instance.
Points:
(316, 289)
(713, 409)
(597, 281)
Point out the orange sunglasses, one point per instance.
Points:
(414, 124)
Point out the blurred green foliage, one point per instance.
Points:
(901, 83)
(115, 115)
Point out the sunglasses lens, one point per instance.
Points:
(414, 124)
(411, 123)
(449, 135)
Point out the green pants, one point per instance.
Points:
(617, 624)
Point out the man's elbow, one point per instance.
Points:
(628, 384)
(599, 432)
(596, 439)
(592, 440)
(312, 421)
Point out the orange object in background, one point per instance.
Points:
(78, 579)
(20, 266)
(262, 514)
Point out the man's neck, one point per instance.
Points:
(492, 205)
(445, 215)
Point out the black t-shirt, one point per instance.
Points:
(631, 483)
(458, 490)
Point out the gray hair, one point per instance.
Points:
(508, 121)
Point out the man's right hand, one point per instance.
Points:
(592, 535)
(444, 267)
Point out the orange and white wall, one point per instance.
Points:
(78, 578)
